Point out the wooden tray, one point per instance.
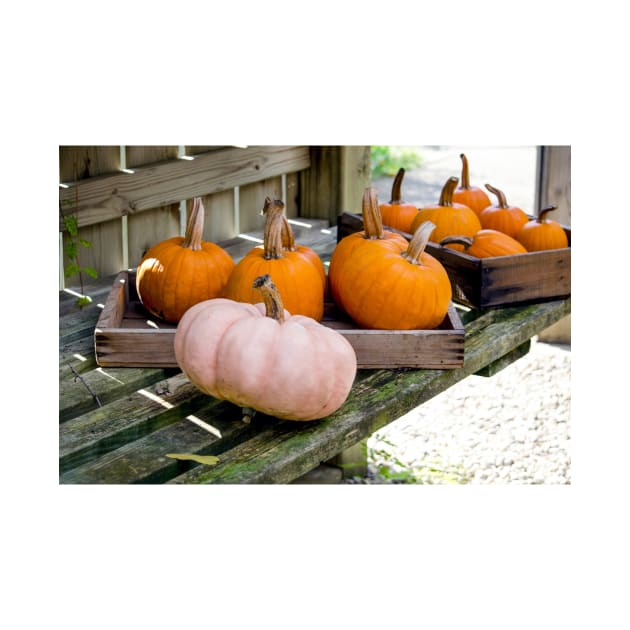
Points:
(126, 335)
(493, 282)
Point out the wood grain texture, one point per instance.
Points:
(157, 185)
(128, 340)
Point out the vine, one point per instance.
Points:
(73, 242)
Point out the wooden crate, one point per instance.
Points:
(493, 282)
(126, 335)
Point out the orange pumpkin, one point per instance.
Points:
(297, 270)
(542, 233)
(486, 244)
(502, 216)
(371, 241)
(383, 282)
(261, 357)
(450, 218)
(179, 272)
(398, 214)
(472, 196)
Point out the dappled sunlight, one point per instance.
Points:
(168, 405)
(100, 370)
(154, 264)
(300, 223)
(80, 357)
(254, 239)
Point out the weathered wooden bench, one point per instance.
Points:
(119, 425)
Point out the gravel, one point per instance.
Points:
(511, 428)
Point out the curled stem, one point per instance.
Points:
(418, 243)
(194, 227)
(542, 215)
(446, 196)
(372, 221)
(274, 307)
(502, 202)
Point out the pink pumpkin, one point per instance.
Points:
(260, 356)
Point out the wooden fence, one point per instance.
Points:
(131, 197)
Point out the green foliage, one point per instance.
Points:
(387, 160)
(72, 245)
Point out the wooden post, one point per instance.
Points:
(335, 181)
(554, 187)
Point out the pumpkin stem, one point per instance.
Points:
(465, 174)
(372, 222)
(274, 307)
(543, 213)
(460, 240)
(500, 196)
(276, 228)
(418, 242)
(194, 227)
(446, 196)
(396, 186)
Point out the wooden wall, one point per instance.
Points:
(554, 188)
(123, 214)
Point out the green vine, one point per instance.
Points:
(72, 244)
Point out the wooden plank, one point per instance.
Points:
(383, 396)
(496, 366)
(90, 161)
(150, 228)
(145, 460)
(334, 182)
(157, 185)
(252, 200)
(75, 398)
(89, 436)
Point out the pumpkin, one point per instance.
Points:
(261, 357)
(384, 282)
(297, 270)
(542, 233)
(486, 244)
(370, 242)
(398, 214)
(181, 271)
(450, 218)
(472, 196)
(502, 216)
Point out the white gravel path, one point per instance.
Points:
(513, 427)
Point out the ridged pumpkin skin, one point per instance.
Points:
(383, 282)
(450, 218)
(487, 244)
(181, 271)
(541, 233)
(396, 213)
(260, 357)
(297, 270)
(502, 216)
(472, 196)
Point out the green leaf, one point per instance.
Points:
(85, 243)
(72, 269)
(84, 300)
(72, 224)
(90, 272)
(71, 250)
(209, 460)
